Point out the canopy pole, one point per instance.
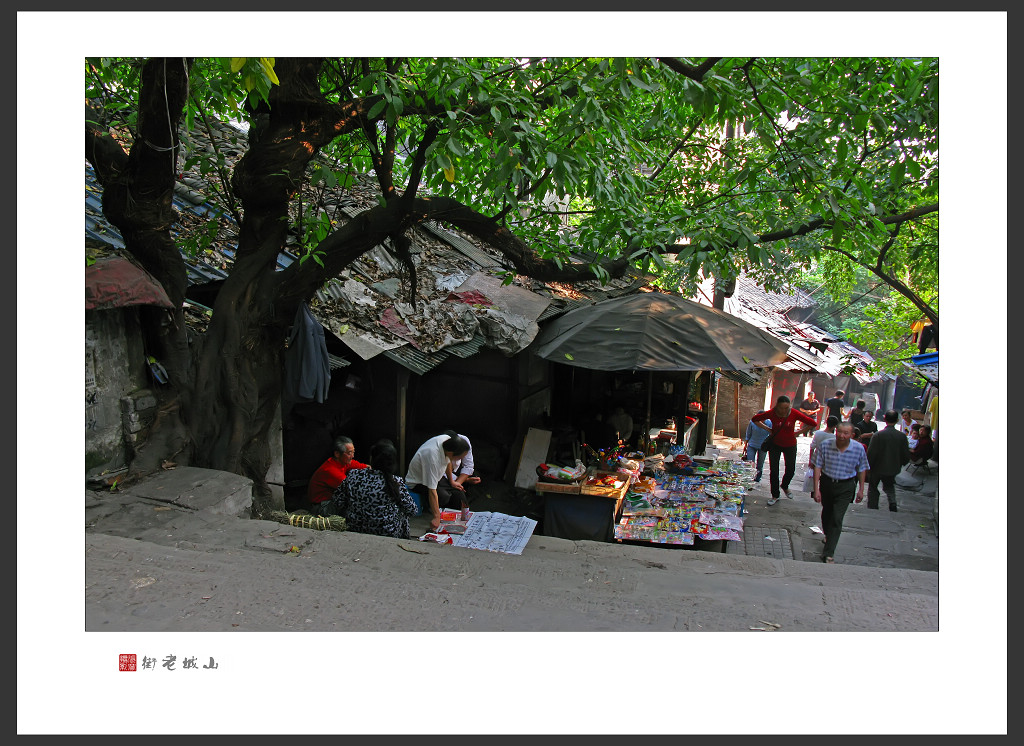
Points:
(650, 385)
(736, 407)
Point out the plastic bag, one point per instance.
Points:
(562, 473)
(809, 480)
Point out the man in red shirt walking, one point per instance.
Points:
(782, 440)
(331, 473)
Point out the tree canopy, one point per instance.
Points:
(723, 164)
(572, 167)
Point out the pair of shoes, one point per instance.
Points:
(786, 493)
(757, 479)
(772, 501)
(893, 509)
(827, 560)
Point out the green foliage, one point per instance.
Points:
(627, 156)
(884, 330)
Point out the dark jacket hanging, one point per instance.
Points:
(307, 369)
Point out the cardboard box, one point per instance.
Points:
(567, 488)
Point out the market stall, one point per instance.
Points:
(656, 331)
(651, 332)
(659, 499)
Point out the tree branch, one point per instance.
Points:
(225, 179)
(693, 73)
(419, 160)
(387, 186)
(887, 245)
(101, 150)
(676, 149)
(524, 259)
(894, 283)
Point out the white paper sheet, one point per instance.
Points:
(496, 532)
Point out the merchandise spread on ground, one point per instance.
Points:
(705, 502)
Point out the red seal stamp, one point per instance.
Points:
(126, 662)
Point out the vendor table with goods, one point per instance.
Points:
(670, 499)
(585, 509)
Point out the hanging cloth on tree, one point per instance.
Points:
(307, 369)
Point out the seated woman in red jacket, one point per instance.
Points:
(925, 447)
(782, 440)
(331, 473)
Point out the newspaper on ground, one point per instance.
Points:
(497, 532)
(492, 532)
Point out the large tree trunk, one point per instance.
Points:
(228, 383)
(137, 191)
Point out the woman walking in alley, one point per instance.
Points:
(782, 441)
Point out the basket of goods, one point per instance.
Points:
(608, 484)
(561, 479)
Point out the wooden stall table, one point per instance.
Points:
(584, 512)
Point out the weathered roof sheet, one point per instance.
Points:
(114, 282)
(353, 304)
(743, 377)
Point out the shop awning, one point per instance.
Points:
(926, 365)
(656, 331)
(114, 282)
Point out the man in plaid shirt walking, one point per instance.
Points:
(840, 468)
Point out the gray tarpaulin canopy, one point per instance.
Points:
(656, 331)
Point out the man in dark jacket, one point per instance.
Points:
(867, 424)
(834, 406)
(888, 453)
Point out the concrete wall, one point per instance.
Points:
(114, 369)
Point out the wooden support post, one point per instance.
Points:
(402, 394)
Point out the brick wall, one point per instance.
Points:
(751, 401)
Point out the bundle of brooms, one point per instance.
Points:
(304, 520)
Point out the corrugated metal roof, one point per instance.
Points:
(463, 255)
(808, 360)
(416, 361)
(930, 371)
(337, 362)
(741, 377)
(467, 349)
(763, 309)
(749, 293)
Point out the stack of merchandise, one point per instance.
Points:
(706, 503)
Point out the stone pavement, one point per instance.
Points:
(171, 554)
(871, 538)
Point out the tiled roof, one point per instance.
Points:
(355, 301)
(750, 294)
(811, 348)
